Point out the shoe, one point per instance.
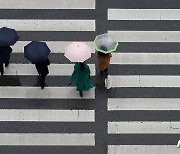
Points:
(42, 86)
(7, 64)
(178, 144)
(101, 73)
(81, 94)
(2, 73)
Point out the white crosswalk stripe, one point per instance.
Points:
(146, 58)
(145, 81)
(147, 149)
(143, 104)
(146, 36)
(143, 127)
(144, 14)
(47, 115)
(49, 25)
(48, 4)
(37, 139)
(47, 93)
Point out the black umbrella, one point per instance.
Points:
(8, 36)
(36, 51)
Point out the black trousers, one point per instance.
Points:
(43, 77)
(105, 71)
(1, 68)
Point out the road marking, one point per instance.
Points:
(40, 139)
(146, 58)
(47, 115)
(142, 149)
(48, 25)
(145, 81)
(143, 104)
(54, 46)
(54, 69)
(146, 36)
(48, 4)
(143, 14)
(46, 93)
(144, 127)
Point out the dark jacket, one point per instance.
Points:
(5, 54)
(42, 67)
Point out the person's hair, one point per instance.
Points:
(82, 65)
(101, 53)
(103, 48)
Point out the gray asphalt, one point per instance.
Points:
(102, 116)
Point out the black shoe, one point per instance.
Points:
(6, 64)
(2, 73)
(42, 86)
(101, 72)
(81, 94)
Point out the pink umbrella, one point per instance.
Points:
(78, 52)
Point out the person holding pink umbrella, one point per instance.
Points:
(79, 52)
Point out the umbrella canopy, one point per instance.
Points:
(78, 52)
(105, 43)
(8, 36)
(36, 51)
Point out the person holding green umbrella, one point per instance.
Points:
(104, 45)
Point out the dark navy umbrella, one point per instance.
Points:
(36, 51)
(8, 36)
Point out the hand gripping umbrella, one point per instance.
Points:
(105, 43)
(36, 51)
(8, 36)
(78, 52)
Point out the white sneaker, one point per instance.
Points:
(108, 82)
(178, 145)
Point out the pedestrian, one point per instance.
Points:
(81, 75)
(42, 69)
(5, 52)
(103, 61)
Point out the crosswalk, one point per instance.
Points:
(142, 109)
(55, 116)
(143, 117)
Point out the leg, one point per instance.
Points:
(6, 64)
(106, 72)
(42, 81)
(80, 93)
(1, 69)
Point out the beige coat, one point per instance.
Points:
(103, 62)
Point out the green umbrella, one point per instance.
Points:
(105, 43)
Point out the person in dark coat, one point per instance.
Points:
(42, 69)
(103, 61)
(4, 57)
